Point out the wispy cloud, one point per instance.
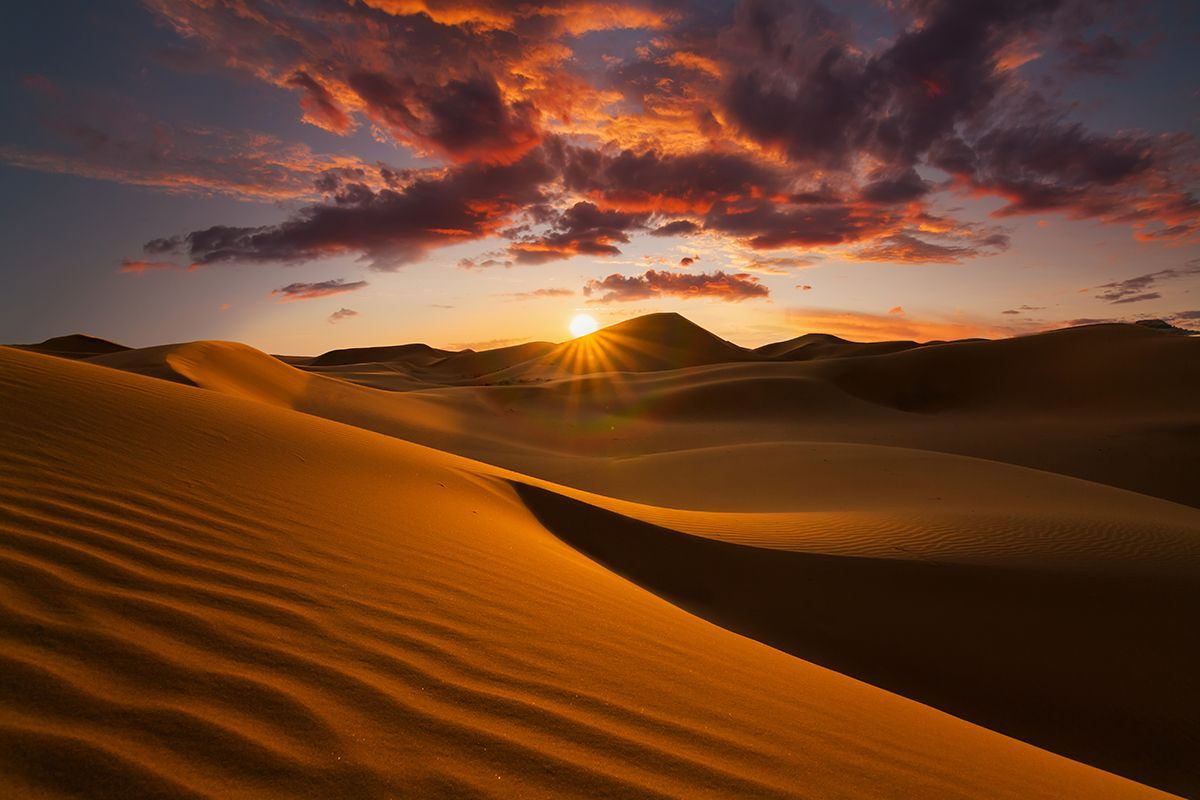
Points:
(312, 291)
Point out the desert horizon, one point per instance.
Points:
(647, 399)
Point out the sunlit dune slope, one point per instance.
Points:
(209, 597)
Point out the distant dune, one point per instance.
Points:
(629, 565)
(421, 354)
(76, 345)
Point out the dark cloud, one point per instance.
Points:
(679, 227)
(902, 187)
(801, 86)
(654, 283)
(656, 181)
(464, 119)
(341, 314)
(1138, 288)
(1022, 309)
(1051, 166)
(313, 291)
(582, 229)
(390, 227)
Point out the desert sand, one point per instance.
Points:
(647, 562)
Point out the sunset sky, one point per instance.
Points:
(313, 174)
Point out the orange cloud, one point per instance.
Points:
(138, 267)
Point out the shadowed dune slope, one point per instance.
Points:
(1097, 368)
(206, 597)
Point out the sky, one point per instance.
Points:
(313, 174)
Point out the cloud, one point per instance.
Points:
(99, 137)
(485, 262)
(465, 119)
(538, 294)
(906, 248)
(341, 314)
(768, 125)
(896, 310)
(654, 283)
(138, 267)
(680, 227)
(320, 107)
(778, 265)
(1137, 289)
(313, 291)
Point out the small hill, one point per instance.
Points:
(1112, 368)
(470, 363)
(75, 345)
(645, 344)
(813, 346)
(414, 354)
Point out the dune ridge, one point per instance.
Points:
(232, 607)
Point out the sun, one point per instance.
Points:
(583, 324)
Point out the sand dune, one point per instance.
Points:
(1002, 614)
(813, 346)
(206, 596)
(534, 600)
(647, 343)
(402, 353)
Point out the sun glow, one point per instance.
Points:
(583, 324)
